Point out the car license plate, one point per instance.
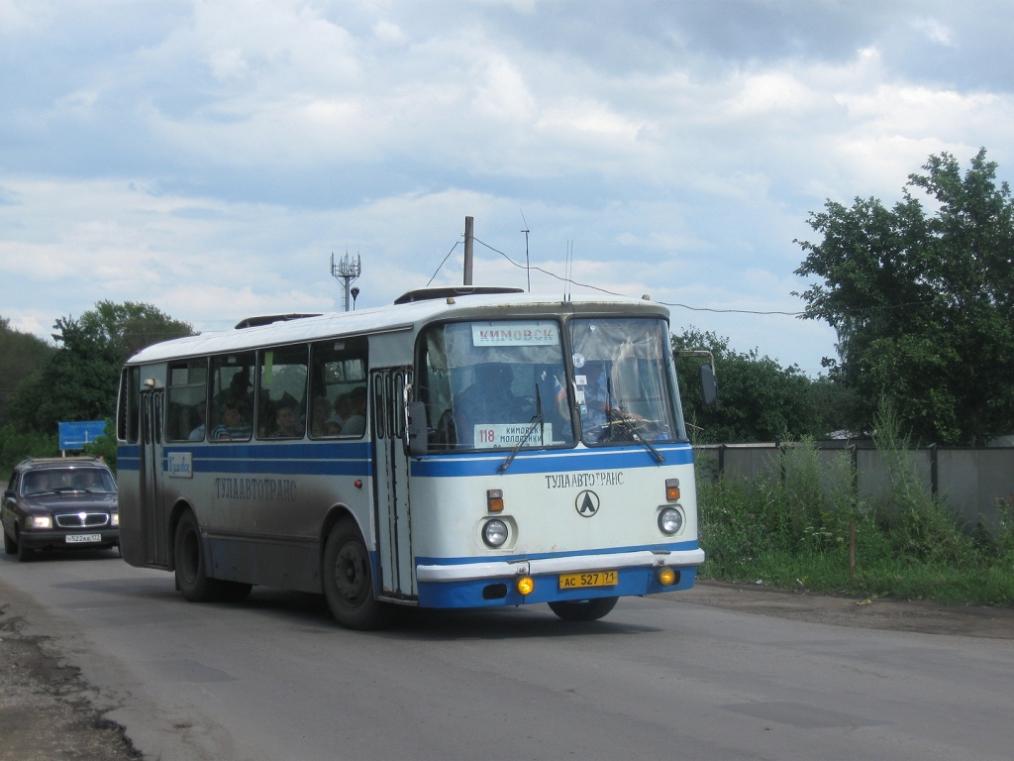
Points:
(82, 538)
(588, 579)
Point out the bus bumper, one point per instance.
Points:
(485, 584)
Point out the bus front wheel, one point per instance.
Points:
(583, 610)
(348, 581)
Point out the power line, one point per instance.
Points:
(693, 308)
(456, 244)
(614, 293)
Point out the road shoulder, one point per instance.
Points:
(872, 613)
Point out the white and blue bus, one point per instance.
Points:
(464, 447)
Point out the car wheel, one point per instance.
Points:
(348, 580)
(584, 610)
(191, 576)
(10, 546)
(24, 553)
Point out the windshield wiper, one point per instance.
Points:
(536, 421)
(631, 427)
(628, 425)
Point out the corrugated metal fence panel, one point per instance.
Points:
(873, 472)
(753, 463)
(976, 482)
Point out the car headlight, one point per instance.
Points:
(670, 521)
(494, 533)
(40, 521)
(114, 519)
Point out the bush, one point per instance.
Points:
(794, 531)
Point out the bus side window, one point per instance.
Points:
(337, 376)
(232, 397)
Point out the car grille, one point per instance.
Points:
(82, 520)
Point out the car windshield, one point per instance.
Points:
(93, 480)
(485, 384)
(623, 373)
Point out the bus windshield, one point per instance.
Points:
(622, 380)
(486, 383)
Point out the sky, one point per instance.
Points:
(209, 157)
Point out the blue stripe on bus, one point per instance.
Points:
(692, 544)
(291, 467)
(438, 466)
(288, 459)
(293, 451)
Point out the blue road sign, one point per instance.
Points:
(74, 435)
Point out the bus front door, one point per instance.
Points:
(392, 506)
(156, 551)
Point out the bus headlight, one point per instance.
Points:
(670, 521)
(494, 533)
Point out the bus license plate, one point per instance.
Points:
(589, 579)
(83, 538)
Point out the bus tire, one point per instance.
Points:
(191, 574)
(583, 610)
(348, 581)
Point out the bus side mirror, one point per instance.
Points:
(418, 435)
(709, 386)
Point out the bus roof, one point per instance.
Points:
(405, 316)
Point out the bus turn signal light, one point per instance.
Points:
(494, 500)
(672, 490)
(666, 577)
(525, 585)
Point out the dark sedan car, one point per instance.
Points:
(60, 504)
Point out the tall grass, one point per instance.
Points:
(793, 529)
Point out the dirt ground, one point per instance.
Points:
(46, 713)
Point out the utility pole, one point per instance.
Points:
(347, 270)
(528, 266)
(469, 226)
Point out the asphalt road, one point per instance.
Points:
(660, 678)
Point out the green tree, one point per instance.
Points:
(758, 399)
(923, 304)
(23, 354)
(79, 382)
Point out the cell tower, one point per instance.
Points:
(347, 269)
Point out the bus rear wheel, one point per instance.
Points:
(583, 610)
(191, 574)
(348, 581)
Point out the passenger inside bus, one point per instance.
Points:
(355, 423)
(287, 421)
(235, 421)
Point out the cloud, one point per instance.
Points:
(208, 157)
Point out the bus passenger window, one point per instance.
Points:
(281, 401)
(232, 397)
(338, 387)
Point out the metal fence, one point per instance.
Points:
(976, 483)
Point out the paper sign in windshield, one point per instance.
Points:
(506, 435)
(542, 333)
